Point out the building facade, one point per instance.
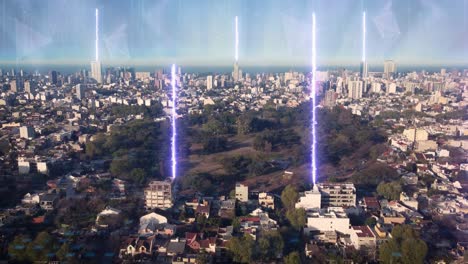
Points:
(158, 194)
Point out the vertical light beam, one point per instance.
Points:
(312, 96)
(237, 41)
(97, 34)
(173, 120)
(364, 36)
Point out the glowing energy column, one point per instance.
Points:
(312, 96)
(237, 41)
(97, 34)
(173, 120)
(364, 37)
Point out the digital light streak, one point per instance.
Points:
(173, 121)
(237, 41)
(312, 96)
(364, 36)
(97, 34)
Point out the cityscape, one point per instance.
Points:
(266, 132)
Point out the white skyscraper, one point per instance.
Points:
(355, 89)
(389, 68)
(96, 64)
(80, 91)
(209, 82)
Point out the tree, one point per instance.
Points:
(370, 221)
(138, 175)
(391, 190)
(242, 248)
(202, 258)
(270, 245)
(292, 258)
(17, 248)
(63, 251)
(289, 197)
(405, 246)
(296, 217)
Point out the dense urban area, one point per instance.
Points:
(85, 167)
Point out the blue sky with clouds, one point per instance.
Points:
(201, 32)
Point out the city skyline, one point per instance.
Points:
(144, 33)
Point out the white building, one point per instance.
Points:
(337, 194)
(27, 132)
(209, 82)
(266, 200)
(391, 88)
(158, 194)
(96, 71)
(362, 236)
(390, 68)
(242, 192)
(80, 91)
(329, 219)
(413, 134)
(310, 199)
(355, 89)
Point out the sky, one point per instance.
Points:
(201, 32)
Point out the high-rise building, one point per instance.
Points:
(363, 69)
(209, 82)
(355, 89)
(330, 98)
(27, 86)
(13, 86)
(337, 194)
(235, 73)
(158, 194)
(80, 91)
(96, 71)
(389, 68)
(53, 77)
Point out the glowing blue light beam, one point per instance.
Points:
(364, 36)
(237, 41)
(312, 96)
(97, 34)
(173, 120)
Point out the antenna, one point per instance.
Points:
(97, 34)
(312, 96)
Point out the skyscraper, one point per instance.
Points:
(80, 91)
(53, 77)
(355, 89)
(96, 65)
(363, 68)
(389, 68)
(209, 82)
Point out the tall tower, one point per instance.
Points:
(235, 73)
(363, 68)
(389, 68)
(96, 64)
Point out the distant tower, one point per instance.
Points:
(389, 68)
(355, 89)
(209, 82)
(235, 74)
(53, 76)
(80, 91)
(363, 68)
(96, 64)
